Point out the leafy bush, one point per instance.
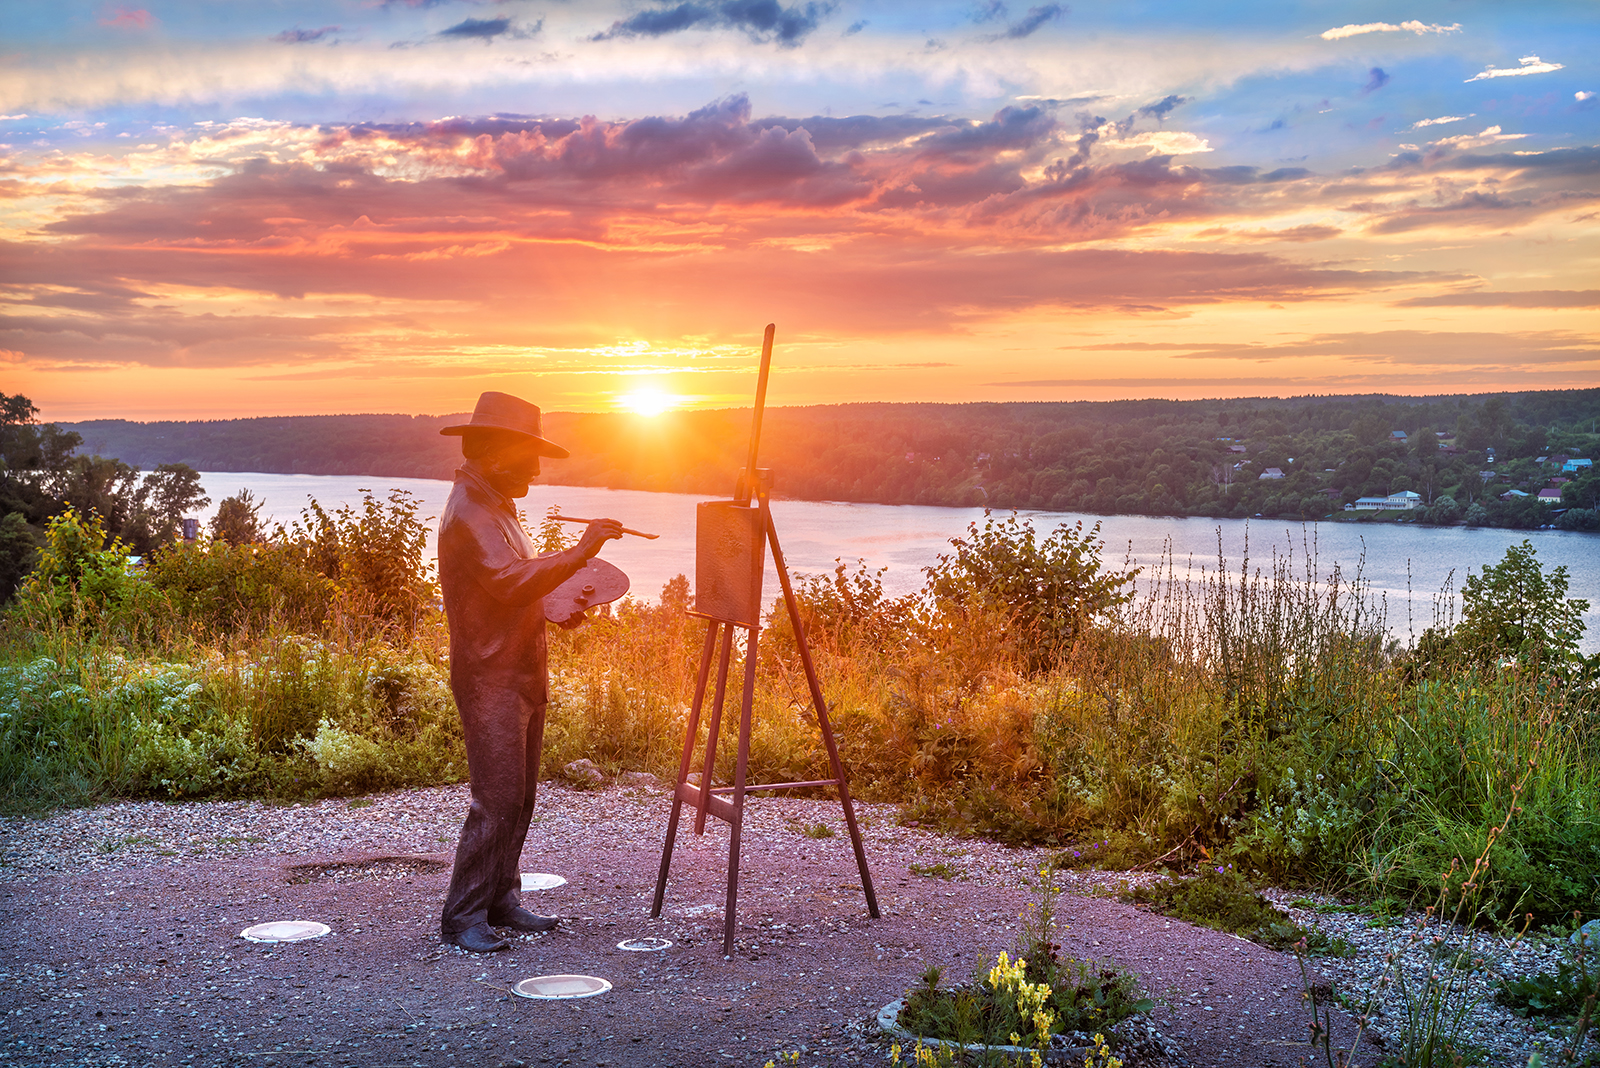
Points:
(282, 717)
(373, 557)
(85, 579)
(219, 587)
(1043, 593)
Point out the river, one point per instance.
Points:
(1406, 565)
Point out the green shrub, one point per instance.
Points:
(219, 588)
(285, 717)
(373, 557)
(1041, 593)
(1220, 898)
(1563, 993)
(82, 577)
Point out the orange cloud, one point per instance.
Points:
(505, 246)
(127, 18)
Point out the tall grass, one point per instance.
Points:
(1256, 715)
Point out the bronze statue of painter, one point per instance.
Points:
(494, 584)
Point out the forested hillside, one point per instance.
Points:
(1461, 454)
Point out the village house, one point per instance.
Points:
(1271, 472)
(1550, 496)
(1405, 500)
(1575, 465)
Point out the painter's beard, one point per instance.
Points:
(513, 479)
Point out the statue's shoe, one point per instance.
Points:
(477, 939)
(520, 919)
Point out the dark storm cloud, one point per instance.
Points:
(1164, 107)
(299, 36)
(762, 20)
(481, 28)
(1376, 79)
(1470, 209)
(1035, 18)
(1566, 162)
(1011, 127)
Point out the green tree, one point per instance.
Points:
(1426, 443)
(238, 520)
(18, 551)
(102, 486)
(81, 570)
(1443, 511)
(160, 504)
(33, 458)
(1516, 609)
(1583, 491)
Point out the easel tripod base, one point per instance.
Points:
(726, 803)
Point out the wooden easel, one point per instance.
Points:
(731, 543)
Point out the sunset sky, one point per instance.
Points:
(223, 209)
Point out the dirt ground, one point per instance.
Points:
(142, 963)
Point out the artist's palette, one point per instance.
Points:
(598, 583)
(285, 931)
(541, 880)
(645, 945)
(560, 987)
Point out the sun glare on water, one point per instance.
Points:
(648, 401)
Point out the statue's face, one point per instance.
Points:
(512, 468)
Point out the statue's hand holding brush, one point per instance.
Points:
(596, 533)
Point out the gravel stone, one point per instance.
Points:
(124, 948)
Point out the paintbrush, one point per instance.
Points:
(625, 530)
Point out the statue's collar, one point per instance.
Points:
(477, 483)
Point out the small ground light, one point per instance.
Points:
(285, 931)
(560, 987)
(645, 945)
(541, 880)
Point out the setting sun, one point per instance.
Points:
(649, 401)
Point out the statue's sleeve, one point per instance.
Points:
(501, 568)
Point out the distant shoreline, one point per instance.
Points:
(1469, 459)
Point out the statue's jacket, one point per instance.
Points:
(494, 583)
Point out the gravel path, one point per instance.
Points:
(122, 942)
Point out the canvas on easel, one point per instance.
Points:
(731, 539)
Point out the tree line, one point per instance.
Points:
(1460, 454)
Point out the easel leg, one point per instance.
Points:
(745, 707)
(821, 705)
(691, 729)
(712, 729)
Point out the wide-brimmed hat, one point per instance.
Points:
(502, 411)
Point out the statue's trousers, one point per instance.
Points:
(504, 735)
